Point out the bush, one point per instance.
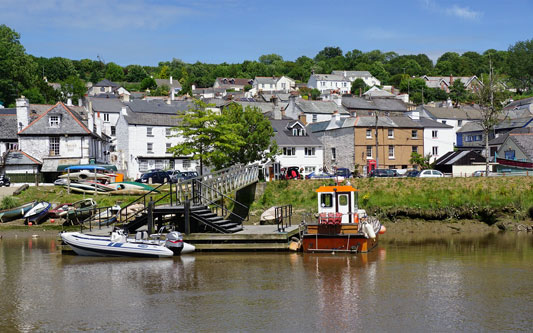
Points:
(8, 202)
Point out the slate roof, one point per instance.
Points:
(284, 137)
(378, 93)
(158, 106)
(525, 142)
(365, 122)
(389, 104)
(319, 126)
(17, 157)
(353, 73)
(519, 103)
(330, 77)
(463, 157)
(8, 124)
(266, 79)
(358, 103)
(108, 105)
(236, 81)
(453, 113)
(152, 119)
(434, 81)
(472, 126)
(430, 123)
(319, 107)
(106, 83)
(514, 123)
(166, 82)
(71, 123)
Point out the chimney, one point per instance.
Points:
(69, 101)
(80, 102)
(275, 100)
(392, 90)
(360, 92)
(303, 119)
(169, 100)
(282, 112)
(124, 111)
(336, 115)
(276, 114)
(344, 74)
(22, 112)
(451, 79)
(170, 79)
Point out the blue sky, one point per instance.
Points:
(148, 31)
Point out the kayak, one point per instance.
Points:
(17, 212)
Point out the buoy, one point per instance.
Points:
(52, 220)
(34, 236)
(382, 230)
(30, 224)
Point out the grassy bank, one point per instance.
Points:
(480, 198)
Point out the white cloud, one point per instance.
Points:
(463, 12)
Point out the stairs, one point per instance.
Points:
(138, 222)
(217, 223)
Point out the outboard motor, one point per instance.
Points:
(174, 242)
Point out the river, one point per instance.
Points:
(447, 283)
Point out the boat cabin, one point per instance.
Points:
(337, 204)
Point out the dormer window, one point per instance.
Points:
(54, 121)
(298, 132)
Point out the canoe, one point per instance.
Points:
(131, 186)
(128, 192)
(99, 186)
(16, 213)
(85, 175)
(37, 213)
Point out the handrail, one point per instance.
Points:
(280, 213)
(143, 197)
(223, 195)
(225, 209)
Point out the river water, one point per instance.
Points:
(448, 283)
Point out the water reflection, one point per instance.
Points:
(444, 284)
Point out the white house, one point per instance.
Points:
(313, 111)
(297, 147)
(273, 84)
(144, 135)
(439, 138)
(329, 82)
(368, 78)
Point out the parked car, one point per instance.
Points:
(383, 173)
(430, 173)
(343, 172)
(412, 173)
(174, 175)
(159, 177)
(190, 174)
(4, 180)
(292, 172)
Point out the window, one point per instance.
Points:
(143, 165)
(333, 153)
(369, 151)
(343, 200)
(149, 147)
(113, 130)
(510, 155)
(12, 146)
(459, 123)
(149, 131)
(444, 122)
(54, 121)
(159, 164)
(391, 151)
(168, 146)
(106, 117)
(54, 146)
(414, 134)
(344, 84)
(326, 200)
(186, 164)
(414, 149)
(391, 133)
(434, 134)
(168, 131)
(309, 151)
(369, 134)
(289, 151)
(315, 118)
(309, 169)
(435, 151)
(283, 85)
(102, 89)
(298, 132)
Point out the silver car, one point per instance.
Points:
(430, 173)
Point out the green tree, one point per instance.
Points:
(114, 72)
(56, 69)
(270, 59)
(420, 160)
(207, 136)
(135, 73)
(458, 92)
(328, 52)
(378, 70)
(162, 90)
(148, 83)
(73, 87)
(520, 61)
(16, 67)
(164, 73)
(256, 133)
(34, 95)
(358, 84)
(315, 94)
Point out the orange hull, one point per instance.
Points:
(339, 243)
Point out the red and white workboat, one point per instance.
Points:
(341, 226)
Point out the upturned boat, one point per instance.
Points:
(37, 213)
(16, 213)
(341, 225)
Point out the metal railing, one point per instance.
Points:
(283, 217)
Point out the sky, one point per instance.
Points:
(146, 32)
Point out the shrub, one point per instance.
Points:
(8, 202)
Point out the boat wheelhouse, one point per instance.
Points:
(341, 225)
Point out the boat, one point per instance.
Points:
(86, 188)
(80, 210)
(59, 210)
(37, 213)
(105, 217)
(118, 245)
(341, 225)
(17, 212)
(130, 186)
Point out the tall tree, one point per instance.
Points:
(358, 85)
(207, 136)
(114, 72)
(520, 61)
(458, 92)
(73, 87)
(135, 73)
(256, 132)
(16, 67)
(328, 52)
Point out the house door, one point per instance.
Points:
(343, 206)
(270, 173)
